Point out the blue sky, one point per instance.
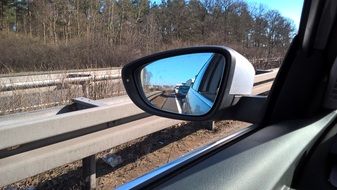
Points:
(176, 70)
(288, 8)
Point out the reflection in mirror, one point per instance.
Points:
(186, 84)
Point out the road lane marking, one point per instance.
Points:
(178, 105)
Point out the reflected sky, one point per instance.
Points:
(176, 70)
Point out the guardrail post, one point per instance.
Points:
(85, 89)
(209, 125)
(89, 172)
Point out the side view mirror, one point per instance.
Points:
(191, 83)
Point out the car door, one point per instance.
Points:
(294, 135)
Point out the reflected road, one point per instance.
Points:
(167, 101)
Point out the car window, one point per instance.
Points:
(212, 78)
(199, 76)
(56, 53)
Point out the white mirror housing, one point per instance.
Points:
(244, 74)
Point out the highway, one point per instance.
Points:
(31, 91)
(57, 137)
(167, 101)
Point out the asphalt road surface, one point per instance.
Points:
(171, 104)
(167, 102)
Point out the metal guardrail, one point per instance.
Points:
(55, 82)
(58, 78)
(32, 143)
(14, 86)
(89, 70)
(33, 82)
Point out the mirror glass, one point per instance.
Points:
(185, 84)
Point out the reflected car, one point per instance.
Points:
(176, 89)
(201, 96)
(182, 91)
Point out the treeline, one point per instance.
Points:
(71, 34)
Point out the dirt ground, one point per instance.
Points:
(136, 157)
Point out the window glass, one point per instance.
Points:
(199, 77)
(52, 51)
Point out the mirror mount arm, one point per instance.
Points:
(245, 108)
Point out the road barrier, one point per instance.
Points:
(10, 83)
(31, 91)
(32, 143)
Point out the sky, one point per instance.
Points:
(178, 69)
(291, 9)
(288, 8)
(182, 70)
